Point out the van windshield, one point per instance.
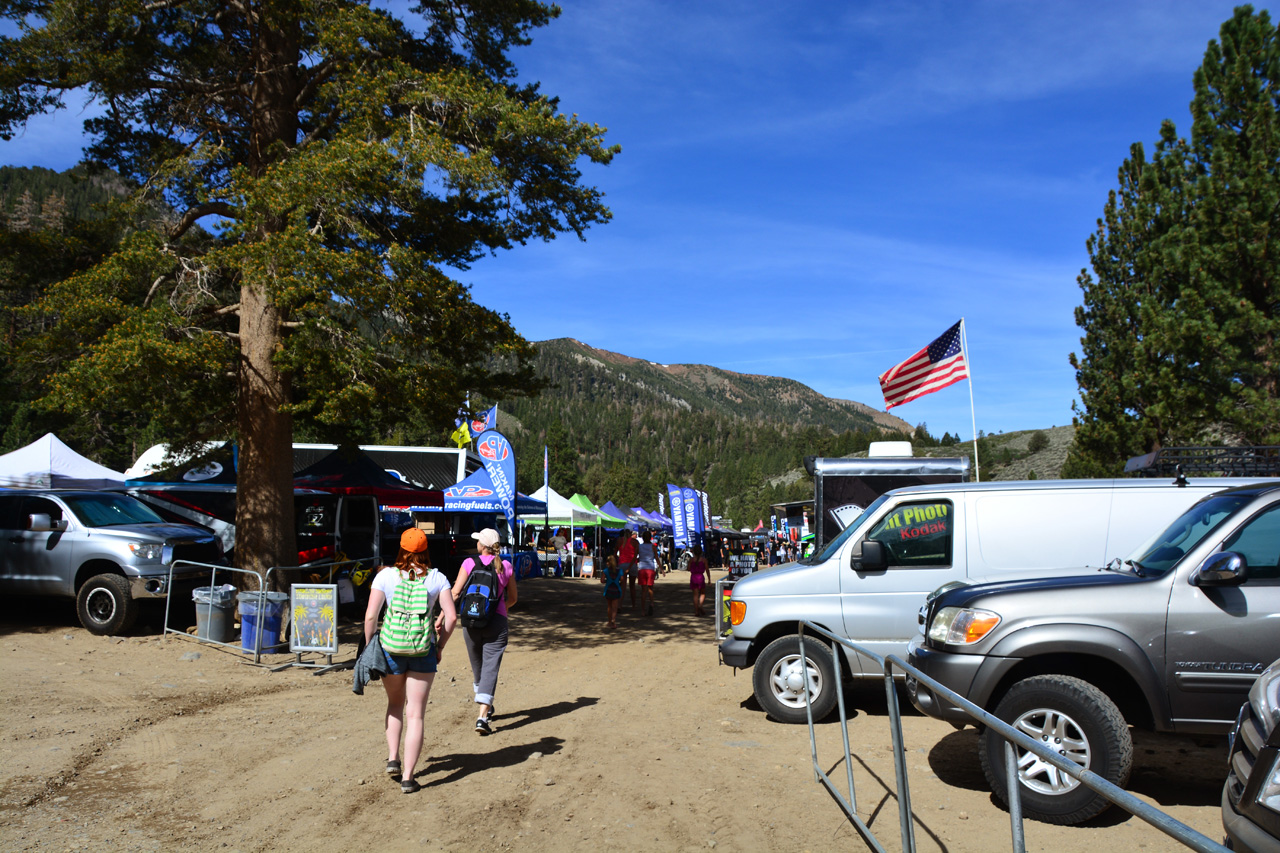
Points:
(836, 544)
(1163, 552)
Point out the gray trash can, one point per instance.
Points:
(215, 613)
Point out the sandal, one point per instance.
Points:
(409, 786)
(393, 767)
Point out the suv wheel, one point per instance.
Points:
(1077, 720)
(780, 679)
(105, 605)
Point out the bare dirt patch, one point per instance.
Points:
(634, 739)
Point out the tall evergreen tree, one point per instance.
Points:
(343, 162)
(1180, 312)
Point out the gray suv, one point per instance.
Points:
(103, 549)
(1171, 639)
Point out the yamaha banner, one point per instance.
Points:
(500, 463)
(679, 525)
(692, 514)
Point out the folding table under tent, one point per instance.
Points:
(47, 463)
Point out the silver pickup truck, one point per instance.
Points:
(103, 549)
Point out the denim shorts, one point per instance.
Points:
(401, 664)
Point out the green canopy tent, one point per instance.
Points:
(603, 519)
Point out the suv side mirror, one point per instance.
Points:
(869, 558)
(1226, 568)
(39, 522)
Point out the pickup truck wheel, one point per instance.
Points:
(105, 605)
(1077, 720)
(780, 679)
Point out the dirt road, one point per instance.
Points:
(627, 740)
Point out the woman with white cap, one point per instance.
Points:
(486, 645)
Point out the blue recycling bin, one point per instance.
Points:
(263, 614)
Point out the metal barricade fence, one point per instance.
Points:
(1175, 829)
(263, 584)
(214, 571)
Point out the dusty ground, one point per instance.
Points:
(628, 740)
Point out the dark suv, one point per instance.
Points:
(1251, 796)
(1171, 639)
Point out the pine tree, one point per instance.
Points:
(1180, 313)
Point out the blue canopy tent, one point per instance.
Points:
(634, 520)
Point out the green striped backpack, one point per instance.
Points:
(408, 629)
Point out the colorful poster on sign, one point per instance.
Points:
(679, 524)
(313, 626)
(500, 464)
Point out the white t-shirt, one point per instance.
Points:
(389, 578)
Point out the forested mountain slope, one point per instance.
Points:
(619, 428)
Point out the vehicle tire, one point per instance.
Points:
(779, 679)
(1082, 724)
(105, 605)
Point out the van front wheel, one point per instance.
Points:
(781, 679)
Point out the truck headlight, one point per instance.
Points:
(960, 626)
(146, 552)
(1264, 696)
(1269, 791)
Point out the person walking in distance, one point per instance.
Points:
(699, 577)
(410, 589)
(627, 560)
(611, 577)
(487, 643)
(647, 571)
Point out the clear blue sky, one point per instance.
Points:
(817, 190)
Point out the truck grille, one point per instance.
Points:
(1249, 740)
(198, 551)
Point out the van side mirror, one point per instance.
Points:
(1226, 568)
(869, 557)
(39, 522)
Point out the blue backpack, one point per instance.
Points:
(480, 596)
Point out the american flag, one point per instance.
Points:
(935, 367)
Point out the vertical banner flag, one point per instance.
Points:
(546, 488)
(933, 368)
(662, 506)
(485, 421)
(773, 523)
(679, 530)
(500, 464)
(706, 510)
(692, 514)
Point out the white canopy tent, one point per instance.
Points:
(561, 512)
(47, 463)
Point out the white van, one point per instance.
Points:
(869, 583)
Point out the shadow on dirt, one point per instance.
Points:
(462, 764)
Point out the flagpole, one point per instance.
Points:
(964, 346)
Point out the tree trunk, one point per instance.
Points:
(264, 501)
(264, 505)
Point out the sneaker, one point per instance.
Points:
(393, 768)
(409, 786)
(483, 727)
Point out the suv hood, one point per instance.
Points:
(160, 533)
(966, 596)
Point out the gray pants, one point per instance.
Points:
(485, 647)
